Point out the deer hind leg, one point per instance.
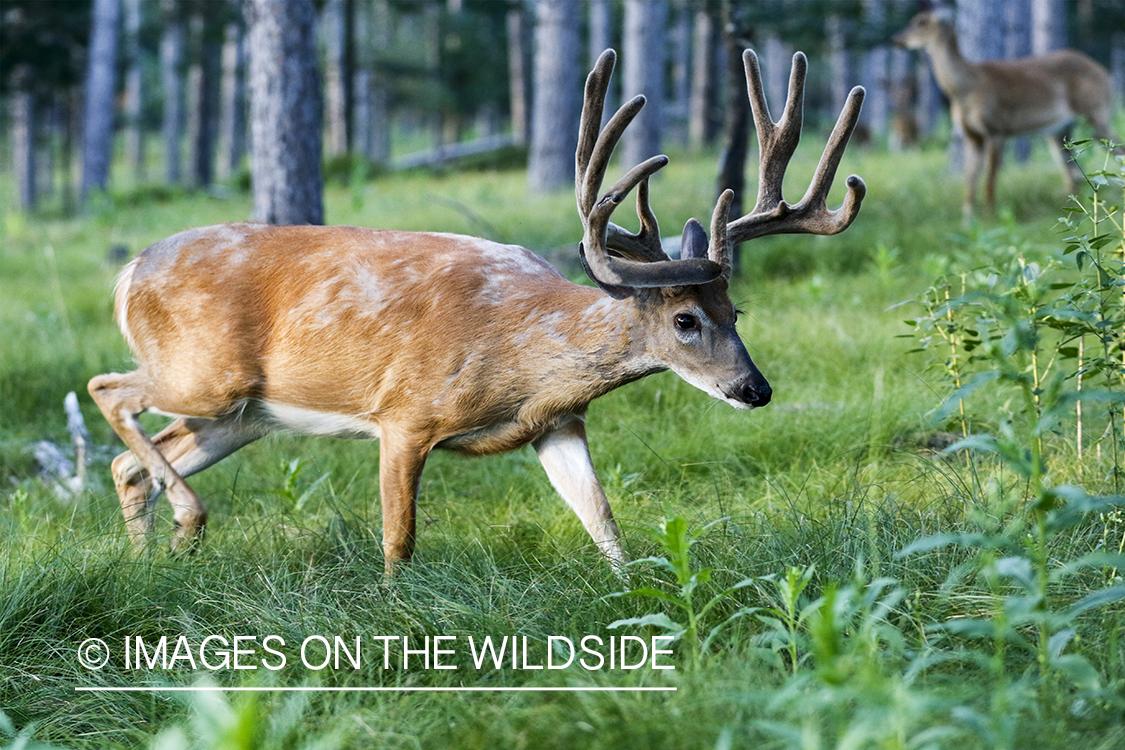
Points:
(994, 148)
(151, 466)
(974, 151)
(565, 456)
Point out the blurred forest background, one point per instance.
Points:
(160, 94)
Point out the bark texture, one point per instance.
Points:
(557, 100)
(286, 115)
(97, 147)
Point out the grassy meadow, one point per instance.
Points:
(874, 591)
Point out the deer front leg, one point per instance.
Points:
(995, 151)
(974, 153)
(400, 470)
(565, 456)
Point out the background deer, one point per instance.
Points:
(431, 341)
(994, 100)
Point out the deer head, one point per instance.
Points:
(685, 304)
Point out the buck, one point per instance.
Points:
(994, 100)
(426, 340)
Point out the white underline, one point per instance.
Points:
(215, 689)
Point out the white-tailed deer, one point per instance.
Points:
(431, 341)
(996, 99)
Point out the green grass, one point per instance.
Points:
(837, 473)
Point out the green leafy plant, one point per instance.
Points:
(1015, 558)
(785, 622)
(676, 542)
(291, 490)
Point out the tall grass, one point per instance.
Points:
(801, 513)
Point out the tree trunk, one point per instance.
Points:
(704, 116)
(981, 26)
(556, 103)
(875, 75)
(361, 79)
(380, 121)
(643, 48)
(732, 164)
(23, 137)
(134, 102)
(517, 70)
(601, 39)
(171, 60)
(839, 71)
(285, 112)
(97, 146)
(680, 33)
(1017, 43)
(335, 75)
(601, 30)
(232, 107)
(1117, 62)
(901, 93)
(1048, 25)
(202, 92)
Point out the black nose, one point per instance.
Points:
(754, 391)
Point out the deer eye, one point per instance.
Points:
(685, 322)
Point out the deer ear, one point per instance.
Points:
(693, 242)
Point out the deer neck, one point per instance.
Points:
(954, 73)
(602, 343)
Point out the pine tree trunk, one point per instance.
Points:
(335, 75)
(704, 110)
(134, 101)
(97, 146)
(601, 30)
(556, 104)
(171, 61)
(23, 137)
(1117, 62)
(202, 94)
(1048, 25)
(232, 106)
(601, 39)
(1017, 43)
(732, 163)
(643, 48)
(875, 75)
(285, 112)
(361, 79)
(380, 148)
(680, 33)
(517, 70)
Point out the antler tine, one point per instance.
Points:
(830, 162)
(720, 248)
(777, 142)
(646, 265)
(597, 83)
(592, 157)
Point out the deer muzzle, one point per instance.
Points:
(752, 390)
